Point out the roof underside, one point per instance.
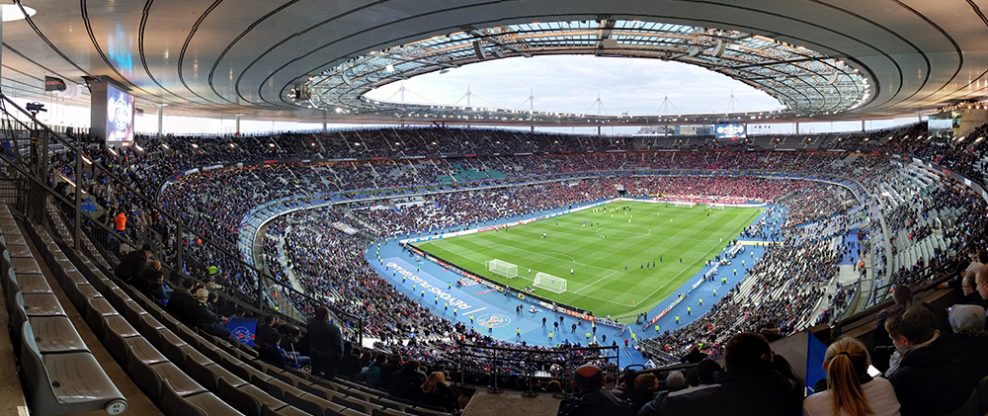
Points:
(852, 58)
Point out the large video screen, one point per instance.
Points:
(944, 121)
(119, 118)
(730, 130)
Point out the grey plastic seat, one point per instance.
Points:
(148, 324)
(56, 334)
(97, 309)
(84, 292)
(150, 376)
(140, 350)
(115, 331)
(74, 278)
(25, 265)
(132, 310)
(246, 398)
(41, 304)
(14, 238)
(354, 403)
(210, 374)
(284, 411)
(199, 404)
(66, 383)
(32, 283)
(19, 250)
(310, 403)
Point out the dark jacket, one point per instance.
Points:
(202, 317)
(180, 304)
(595, 402)
(325, 339)
(939, 377)
(761, 391)
(407, 384)
(444, 397)
(155, 292)
(265, 336)
(131, 267)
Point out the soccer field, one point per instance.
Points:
(606, 258)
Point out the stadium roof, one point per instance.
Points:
(827, 59)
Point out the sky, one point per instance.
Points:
(571, 83)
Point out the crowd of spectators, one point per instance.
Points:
(231, 177)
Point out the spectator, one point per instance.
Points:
(372, 373)
(133, 264)
(850, 390)
(265, 334)
(675, 381)
(590, 399)
(937, 372)
(120, 223)
(554, 386)
(325, 344)
(437, 392)
(154, 288)
(981, 280)
(645, 387)
(966, 318)
(204, 318)
(350, 363)
(757, 383)
(152, 268)
(181, 301)
(407, 382)
(969, 291)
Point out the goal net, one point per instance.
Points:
(502, 268)
(549, 282)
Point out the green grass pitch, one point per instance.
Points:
(599, 254)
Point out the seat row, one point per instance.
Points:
(225, 368)
(59, 372)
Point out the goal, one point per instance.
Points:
(503, 268)
(549, 282)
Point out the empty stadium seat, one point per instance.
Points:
(198, 404)
(66, 383)
(284, 411)
(247, 397)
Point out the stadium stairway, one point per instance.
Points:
(219, 376)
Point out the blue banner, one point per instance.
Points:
(243, 329)
(815, 351)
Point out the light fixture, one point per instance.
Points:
(390, 68)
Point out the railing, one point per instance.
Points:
(527, 368)
(29, 163)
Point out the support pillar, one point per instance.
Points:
(238, 124)
(862, 125)
(325, 115)
(77, 230)
(797, 127)
(598, 130)
(161, 119)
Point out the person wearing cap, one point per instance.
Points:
(757, 382)
(133, 264)
(590, 398)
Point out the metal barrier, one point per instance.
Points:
(526, 368)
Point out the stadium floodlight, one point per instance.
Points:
(549, 282)
(503, 268)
